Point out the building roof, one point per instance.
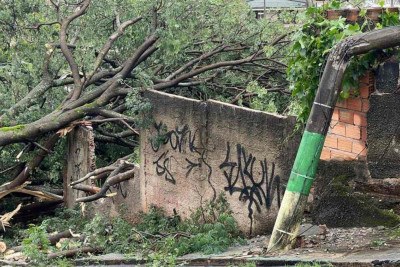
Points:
(259, 4)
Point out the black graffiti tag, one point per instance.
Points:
(242, 178)
(176, 138)
(182, 140)
(119, 187)
(163, 167)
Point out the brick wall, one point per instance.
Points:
(347, 135)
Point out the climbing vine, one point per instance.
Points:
(312, 44)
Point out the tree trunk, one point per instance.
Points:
(305, 166)
(80, 161)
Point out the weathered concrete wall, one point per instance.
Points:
(384, 136)
(197, 150)
(384, 124)
(80, 161)
(126, 203)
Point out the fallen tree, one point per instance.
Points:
(96, 61)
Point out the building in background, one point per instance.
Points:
(362, 3)
(258, 5)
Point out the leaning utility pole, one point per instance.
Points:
(305, 166)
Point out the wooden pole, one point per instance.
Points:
(305, 166)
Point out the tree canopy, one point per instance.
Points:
(64, 63)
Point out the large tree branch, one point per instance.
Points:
(67, 52)
(112, 114)
(131, 63)
(73, 252)
(23, 176)
(194, 61)
(87, 188)
(123, 134)
(31, 98)
(106, 91)
(49, 123)
(204, 69)
(94, 174)
(130, 174)
(107, 46)
(96, 78)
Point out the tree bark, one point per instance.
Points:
(79, 163)
(73, 252)
(304, 168)
(24, 174)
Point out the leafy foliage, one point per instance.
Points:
(158, 238)
(267, 101)
(312, 44)
(30, 57)
(36, 243)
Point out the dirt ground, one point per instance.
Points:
(361, 246)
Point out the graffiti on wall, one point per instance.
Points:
(163, 165)
(253, 180)
(119, 187)
(182, 140)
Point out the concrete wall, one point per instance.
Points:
(125, 203)
(197, 150)
(384, 124)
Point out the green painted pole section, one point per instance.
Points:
(304, 169)
(306, 163)
(297, 190)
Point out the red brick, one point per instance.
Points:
(338, 128)
(341, 104)
(353, 132)
(364, 91)
(366, 77)
(364, 134)
(325, 154)
(346, 116)
(331, 141)
(365, 105)
(335, 115)
(336, 154)
(345, 145)
(354, 104)
(359, 148)
(360, 119)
